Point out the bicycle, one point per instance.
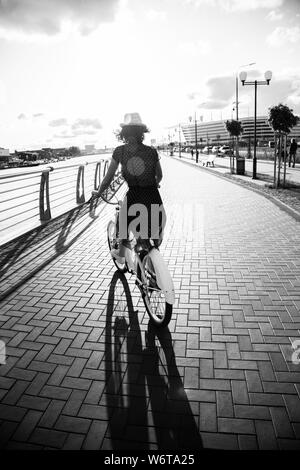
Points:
(152, 275)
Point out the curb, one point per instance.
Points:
(282, 205)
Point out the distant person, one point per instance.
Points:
(293, 151)
(192, 153)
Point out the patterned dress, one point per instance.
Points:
(138, 170)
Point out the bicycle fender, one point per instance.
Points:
(163, 277)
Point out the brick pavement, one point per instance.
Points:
(85, 370)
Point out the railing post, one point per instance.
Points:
(105, 167)
(80, 185)
(97, 178)
(45, 213)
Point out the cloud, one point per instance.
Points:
(274, 15)
(49, 16)
(58, 122)
(193, 49)
(63, 135)
(3, 93)
(37, 115)
(238, 5)
(86, 124)
(220, 92)
(84, 132)
(245, 5)
(156, 15)
(22, 116)
(213, 104)
(282, 35)
(81, 127)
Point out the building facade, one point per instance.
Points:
(4, 152)
(215, 133)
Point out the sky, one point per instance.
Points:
(71, 69)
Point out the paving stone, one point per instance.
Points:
(94, 394)
(265, 435)
(74, 402)
(281, 423)
(80, 384)
(95, 435)
(27, 425)
(253, 381)
(236, 425)
(224, 404)
(239, 392)
(74, 441)
(289, 444)
(252, 412)
(72, 424)
(37, 384)
(247, 442)
(206, 368)
(7, 429)
(15, 392)
(94, 412)
(293, 407)
(52, 413)
(48, 437)
(219, 441)
(208, 418)
(33, 403)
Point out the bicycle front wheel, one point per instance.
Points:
(113, 242)
(159, 310)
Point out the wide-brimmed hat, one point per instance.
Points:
(133, 119)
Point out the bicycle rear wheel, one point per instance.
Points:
(159, 310)
(113, 242)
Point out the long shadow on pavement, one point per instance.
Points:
(126, 402)
(147, 405)
(172, 416)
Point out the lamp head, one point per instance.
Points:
(268, 76)
(243, 76)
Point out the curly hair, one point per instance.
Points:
(138, 132)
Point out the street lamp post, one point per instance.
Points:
(237, 90)
(179, 139)
(196, 140)
(243, 76)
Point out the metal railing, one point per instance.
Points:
(31, 198)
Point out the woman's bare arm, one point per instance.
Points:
(158, 172)
(109, 176)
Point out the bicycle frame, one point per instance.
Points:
(164, 280)
(163, 277)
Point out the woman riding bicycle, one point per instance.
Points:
(142, 171)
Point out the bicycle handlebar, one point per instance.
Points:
(96, 194)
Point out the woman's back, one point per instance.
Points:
(138, 164)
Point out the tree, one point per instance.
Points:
(282, 120)
(74, 151)
(235, 130)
